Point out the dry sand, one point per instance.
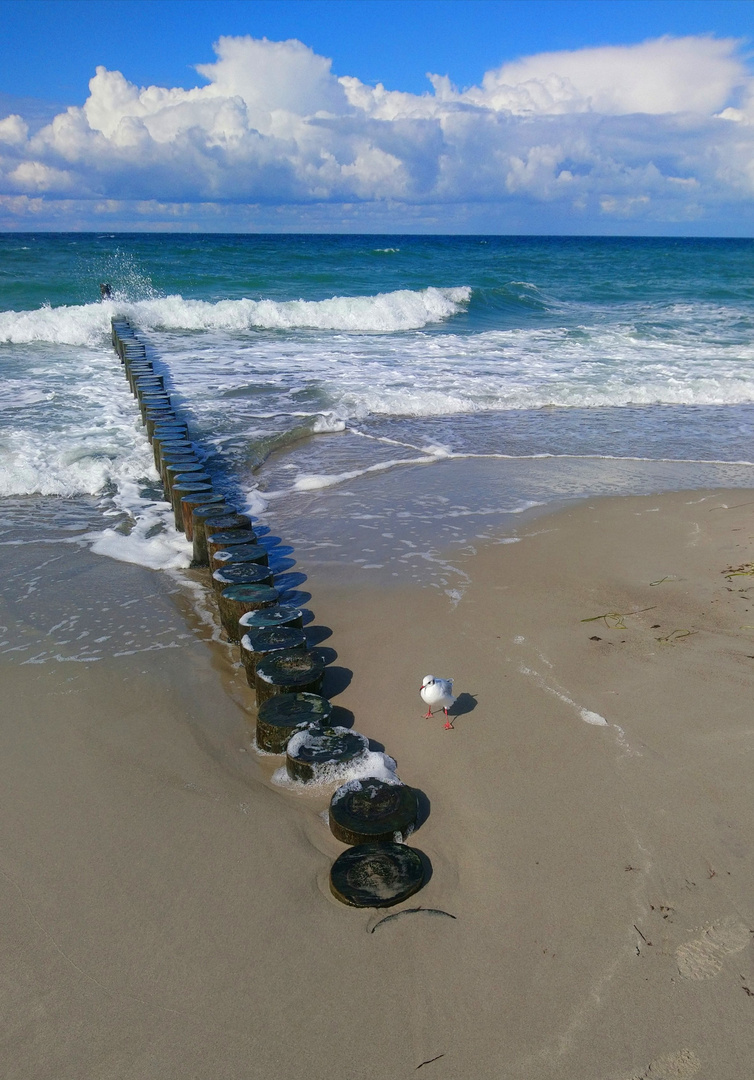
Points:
(166, 907)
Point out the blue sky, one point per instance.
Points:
(50, 48)
(596, 116)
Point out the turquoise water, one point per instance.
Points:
(64, 268)
(319, 372)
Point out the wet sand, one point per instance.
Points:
(167, 910)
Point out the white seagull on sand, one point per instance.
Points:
(437, 693)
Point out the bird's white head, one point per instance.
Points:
(428, 679)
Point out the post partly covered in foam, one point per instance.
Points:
(282, 715)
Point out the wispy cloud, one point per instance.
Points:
(656, 133)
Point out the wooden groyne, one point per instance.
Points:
(287, 678)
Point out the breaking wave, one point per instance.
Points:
(404, 309)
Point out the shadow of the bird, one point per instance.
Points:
(464, 703)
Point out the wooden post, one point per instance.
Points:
(283, 615)
(265, 642)
(372, 810)
(289, 673)
(228, 539)
(189, 504)
(239, 553)
(184, 491)
(241, 574)
(183, 473)
(210, 523)
(281, 715)
(320, 753)
(235, 600)
(376, 875)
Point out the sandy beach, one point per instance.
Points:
(167, 908)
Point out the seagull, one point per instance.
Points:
(437, 692)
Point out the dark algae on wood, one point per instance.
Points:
(317, 754)
(288, 672)
(280, 716)
(376, 875)
(373, 810)
(235, 600)
(261, 643)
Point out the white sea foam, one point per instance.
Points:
(307, 736)
(66, 325)
(362, 372)
(326, 423)
(358, 785)
(69, 426)
(590, 717)
(165, 550)
(353, 377)
(370, 763)
(256, 503)
(319, 482)
(16, 394)
(404, 309)
(386, 312)
(78, 458)
(147, 536)
(312, 482)
(587, 715)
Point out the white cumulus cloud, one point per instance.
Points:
(13, 130)
(668, 75)
(659, 131)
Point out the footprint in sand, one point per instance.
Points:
(679, 1066)
(702, 958)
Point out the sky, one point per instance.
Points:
(586, 117)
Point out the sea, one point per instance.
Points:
(381, 403)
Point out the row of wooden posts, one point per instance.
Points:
(293, 716)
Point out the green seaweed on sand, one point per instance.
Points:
(745, 570)
(614, 619)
